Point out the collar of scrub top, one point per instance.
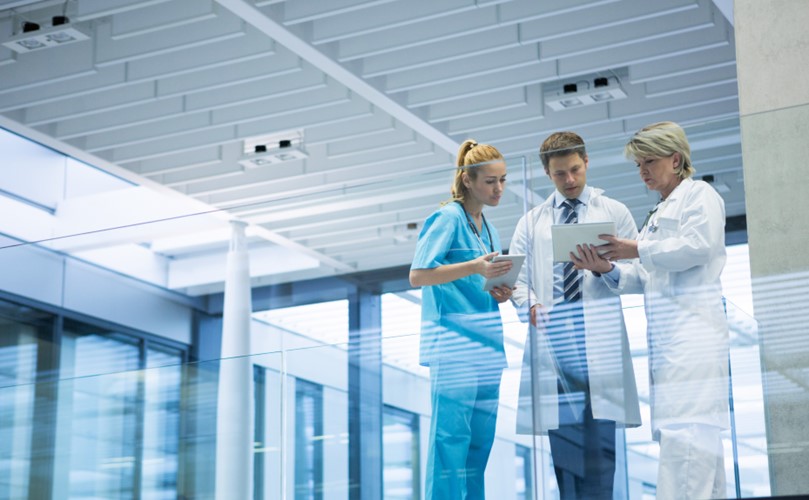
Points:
(475, 229)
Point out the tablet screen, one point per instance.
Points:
(510, 277)
(566, 236)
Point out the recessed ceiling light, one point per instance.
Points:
(271, 149)
(40, 39)
(586, 90)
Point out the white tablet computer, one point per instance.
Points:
(566, 236)
(510, 277)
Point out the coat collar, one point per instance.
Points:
(593, 194)
(682, 188)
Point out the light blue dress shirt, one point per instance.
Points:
(558, 218)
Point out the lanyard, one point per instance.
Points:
(652, 227)
(475, 229)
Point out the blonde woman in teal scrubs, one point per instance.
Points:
(462, 333)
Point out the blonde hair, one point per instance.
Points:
(470, 155)
(661, 140)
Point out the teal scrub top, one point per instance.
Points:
(459, 320)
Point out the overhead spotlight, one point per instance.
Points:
(720, 186)
(403, 233)
(33, 38)
(273, 149)
(603, 89)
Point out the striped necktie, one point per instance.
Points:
(572, 280)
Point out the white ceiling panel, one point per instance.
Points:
(383, 92)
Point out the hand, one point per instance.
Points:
(501, 293)
(538, 312)
(488, 269)
(588, 258)
(618, 248)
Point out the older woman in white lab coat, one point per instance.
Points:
(680, 254)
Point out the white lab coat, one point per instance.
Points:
(613, 393)
(682, 254)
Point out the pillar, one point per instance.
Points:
(772, 47)
(234, 416)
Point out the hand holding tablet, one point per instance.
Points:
(510, 277)
(565, 237)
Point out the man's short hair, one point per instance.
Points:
(561, 144)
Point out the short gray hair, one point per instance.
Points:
(661, 140)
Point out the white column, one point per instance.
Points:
(772, 54)
(234, 422)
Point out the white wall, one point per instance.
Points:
(42, 275)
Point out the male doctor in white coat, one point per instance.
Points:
(577, 380)
(678, 260)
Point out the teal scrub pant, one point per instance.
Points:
(464, 400)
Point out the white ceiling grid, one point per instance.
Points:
(384, 90)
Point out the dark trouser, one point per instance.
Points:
(583, 448)
(584, 458)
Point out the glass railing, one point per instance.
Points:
(113, 381)
(162, 432)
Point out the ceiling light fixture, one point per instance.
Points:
(273, 149)
(721, 187)
(33, 38)
(573, 95)
(403, 233)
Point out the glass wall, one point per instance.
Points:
(110, 381)
(523, 468)
(400, 446)
(24, 334)
(89, 421)
(308, 441)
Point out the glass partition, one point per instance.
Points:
(150, 430)
(115, 314)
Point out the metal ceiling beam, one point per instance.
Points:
(306, 51)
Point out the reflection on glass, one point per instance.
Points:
(400, 444)
(522, 466)
(161, 424)
(98, 426)
(18, 370)
(308, 441)
(260, 390)
(315, 321)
